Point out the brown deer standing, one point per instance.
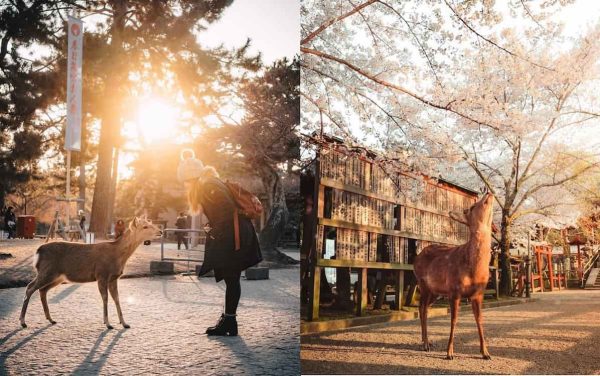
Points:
(458, 272)
(78, 262)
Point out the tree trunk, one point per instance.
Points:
(82, 185)
(111, 127)
(278, 216)
(99, 221)
(113, 185)
(504, 260)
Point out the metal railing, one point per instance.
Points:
(177, 230)
(587, 267)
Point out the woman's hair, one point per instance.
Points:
(196, 186)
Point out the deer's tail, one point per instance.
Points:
(36, 259)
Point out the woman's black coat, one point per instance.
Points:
(220, 254)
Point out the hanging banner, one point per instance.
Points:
(74, 78)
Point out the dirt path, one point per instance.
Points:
(558, 334)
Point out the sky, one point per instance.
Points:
(273, 26)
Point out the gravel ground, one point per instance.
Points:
(557, 334)
(168, 316)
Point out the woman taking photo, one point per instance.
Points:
(207, 194)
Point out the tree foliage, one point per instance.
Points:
(29, 84)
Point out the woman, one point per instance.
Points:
(209, 195)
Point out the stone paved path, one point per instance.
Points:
(558, 334)
(168, 316)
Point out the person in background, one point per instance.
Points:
(181, 223)
(209, 195)
(119, 229)
(82, 224)
(10, 222)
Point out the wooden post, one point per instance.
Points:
(538, 257)
(527, 276)
(315, 294)
(579, 268)
(362, 292)
(496, 284)
(550, 270)
(400, 290)
(314, 254)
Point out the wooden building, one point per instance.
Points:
(364, 211)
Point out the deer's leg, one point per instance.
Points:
(454, 306)
(102, 286)
(423, 311)
(31, 287)
(114, 292)
(43, 292)
(476, 303)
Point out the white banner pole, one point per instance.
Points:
(74, 79)
(68, 216)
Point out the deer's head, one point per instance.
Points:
(479, 216)
(143, 229)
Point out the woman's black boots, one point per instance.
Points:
(226, 326)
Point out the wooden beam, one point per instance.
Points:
(401, 201)
(315, 294)
(358, 264)
(399, 289)
(378, 230)
(362, 292)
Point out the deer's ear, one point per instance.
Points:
(461, 218)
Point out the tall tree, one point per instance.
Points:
(147, 40)
(29, 84)
(451, 81)
(267, 142)
(523, 159)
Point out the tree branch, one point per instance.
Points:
(330, 22)
(491, 41)
(554, 183)
(371, 77)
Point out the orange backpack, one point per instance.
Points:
(248, 205)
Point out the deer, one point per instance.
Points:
(79, 263)
(458, 272)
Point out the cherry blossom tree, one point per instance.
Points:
(456, 84)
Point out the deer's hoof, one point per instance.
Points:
(428, 346)
(449, 357)
(126, 326)
(23, 325)
(487, 357)
(52, 322)
(108, 326)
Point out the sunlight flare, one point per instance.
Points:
(156, 119)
